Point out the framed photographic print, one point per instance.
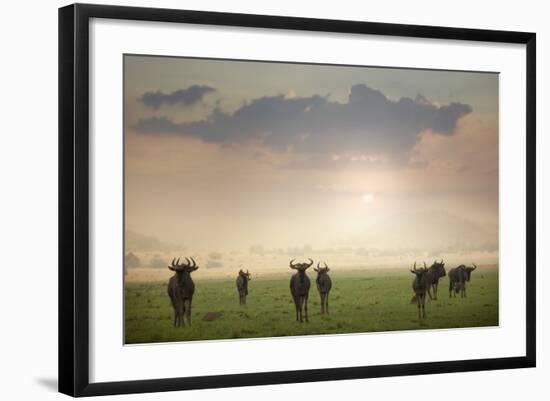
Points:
(235, 190)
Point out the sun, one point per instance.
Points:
(367, 198)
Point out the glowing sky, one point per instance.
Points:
(227, 154)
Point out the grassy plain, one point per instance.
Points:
(360, 301)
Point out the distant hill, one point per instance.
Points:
(429, 231)
(136, 242)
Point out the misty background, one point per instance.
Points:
(252, 163)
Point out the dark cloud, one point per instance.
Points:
(369, 125)
(187, 96)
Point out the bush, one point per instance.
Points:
(215, 255)
(131, 260)
(257, 250)
(213, 264)
(158, 262)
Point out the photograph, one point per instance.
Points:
(270, 199)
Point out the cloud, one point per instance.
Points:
(187, 97)
(368, 126)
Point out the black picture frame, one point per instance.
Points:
(74, 198)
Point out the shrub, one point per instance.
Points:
(131, 260)
(213, 264)
(215, 255)
(158, 262)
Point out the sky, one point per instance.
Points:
(223, 154)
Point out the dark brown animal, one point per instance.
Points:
(434, 273)
(420, 287)
(242, 286)
(324, 284)
(181, 289)
(299, 288)
(458, 277)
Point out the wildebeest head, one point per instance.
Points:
(419, 272)
(300, 266)
(468, 270)
(183, 269)
(244, 275)
(321, 270)
(439, 268)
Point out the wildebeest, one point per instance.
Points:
(324, 284)
(458, 277)
(181, 289)
(434, 273)
(299, 288)
(420, 287)
(242, 286)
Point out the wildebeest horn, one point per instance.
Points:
(310, 262)
(441, 261)
(475, 267)
(188, 262)
(318, 263)
(326, 266)
(291, 265)
(173, 261)
(425, 267)
(194, 263)
(414, 267)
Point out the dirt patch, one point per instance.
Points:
(210, 316)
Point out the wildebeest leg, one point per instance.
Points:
(429, 293)
(178, 312)
(435, 290)
(184, 313)
(322, 303)
(305, 307)
(188, 311)
(424, 307)
(450, 288)
(326, 303)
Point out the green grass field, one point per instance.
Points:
(367, 301)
